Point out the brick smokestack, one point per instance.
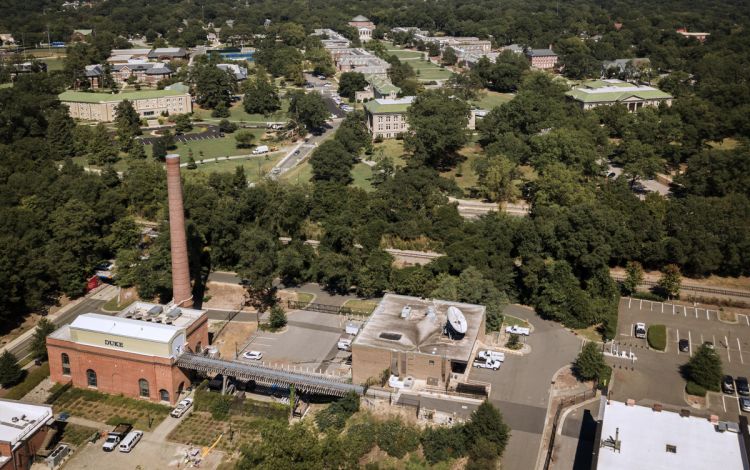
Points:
(181, 291)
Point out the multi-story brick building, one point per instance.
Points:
(543, 59)
(146, 73)
(364, 27)
(24, 431)
(415, 337)
(149, 104)
(386, 118)
(133, 353)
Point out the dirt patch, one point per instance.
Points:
(695, 401)
(566, 380)
(224, 296)
(234, 335)
(727, 316)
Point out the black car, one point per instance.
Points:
(684, 345)
(727, 384)
(742, 386)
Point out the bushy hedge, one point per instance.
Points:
(335, 416)
(693, 388)
(657, 337)
(397, 438)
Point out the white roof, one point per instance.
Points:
(127, 327)
(644, 435)
(19, 420)
(404, 100)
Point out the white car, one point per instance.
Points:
(253, 355)
(181, 407)
(518, 330)
(487, 364)
(326, 85)
(344, 344)
(492, 355)
(640, 330)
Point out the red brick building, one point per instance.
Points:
(23, 432)
(543, 59)
(133, 353)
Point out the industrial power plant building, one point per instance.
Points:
(133, 353)
(420, 338)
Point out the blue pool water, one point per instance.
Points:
(238, 56)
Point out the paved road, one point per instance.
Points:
(521, 388)
(87, 306)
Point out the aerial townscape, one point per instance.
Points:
(388, 235)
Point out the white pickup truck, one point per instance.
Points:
(492, 355)
(518, 330)
(487, 364)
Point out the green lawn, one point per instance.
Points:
(426, 70)
(53, 64)
(238, 114)
(299, 174)
(392, 148)
(405, 55)
(211, 148)
(493, 99)
(362, 174)
(363, 305)
(256, 168)
(111, 409)
(463, 173)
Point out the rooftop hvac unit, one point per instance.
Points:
(155, 310)
(174, 313)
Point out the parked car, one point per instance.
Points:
(727, 385)
(487, 364)
(130, 441)
(253, 355)
(115, 436)
(742, 386)
(492, 355)
(344, 345)
(181, 407)
(518, 330)
(640, 330)
(745, 404)
(684, 345)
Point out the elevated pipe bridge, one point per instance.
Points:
(304, 382)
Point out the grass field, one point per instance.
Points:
(362, 174)
(111, 409)
(463, 173)
(238, 114)
(404, 54)
(492, 99)
(359, 304)
(427, 71)
(392, 148)
(299, 174)
(211, 148)
(256, 168)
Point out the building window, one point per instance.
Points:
(65, 364)
(143, 388)
(91, 378)
(432, 363)
(671, 449)
(163, 395)
(198, 347)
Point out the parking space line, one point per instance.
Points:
(702, 339)
(684, 311)
(662, 307)
(729, 356)
(690, 344)
(640, 305)
(739, 347)
(714, 340)
(696, 312)
(723, 403)
(673, 312)
(678, 342)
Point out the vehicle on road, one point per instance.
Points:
(296, 152)
(742, 386)
(684, 345)
(492, 355)
(640, 330)
(253, 355)
(130, 441)
(727, 385)
(181, 408)
(261, 149)
(483, 363)
(745, 404)
(518, 330)
(115, 436)
(344, 345)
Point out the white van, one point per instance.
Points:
(130, 441)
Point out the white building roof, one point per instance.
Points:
(126, 327)
(644, 435)
(19, 420)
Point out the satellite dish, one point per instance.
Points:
(457, 321)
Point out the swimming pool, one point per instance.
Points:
(248, 56)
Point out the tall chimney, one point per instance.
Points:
(181, 292)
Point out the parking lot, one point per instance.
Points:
(655, 375)
(307, 343)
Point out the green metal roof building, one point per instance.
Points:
(386, 118)
(593, 93)
(148, 103)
